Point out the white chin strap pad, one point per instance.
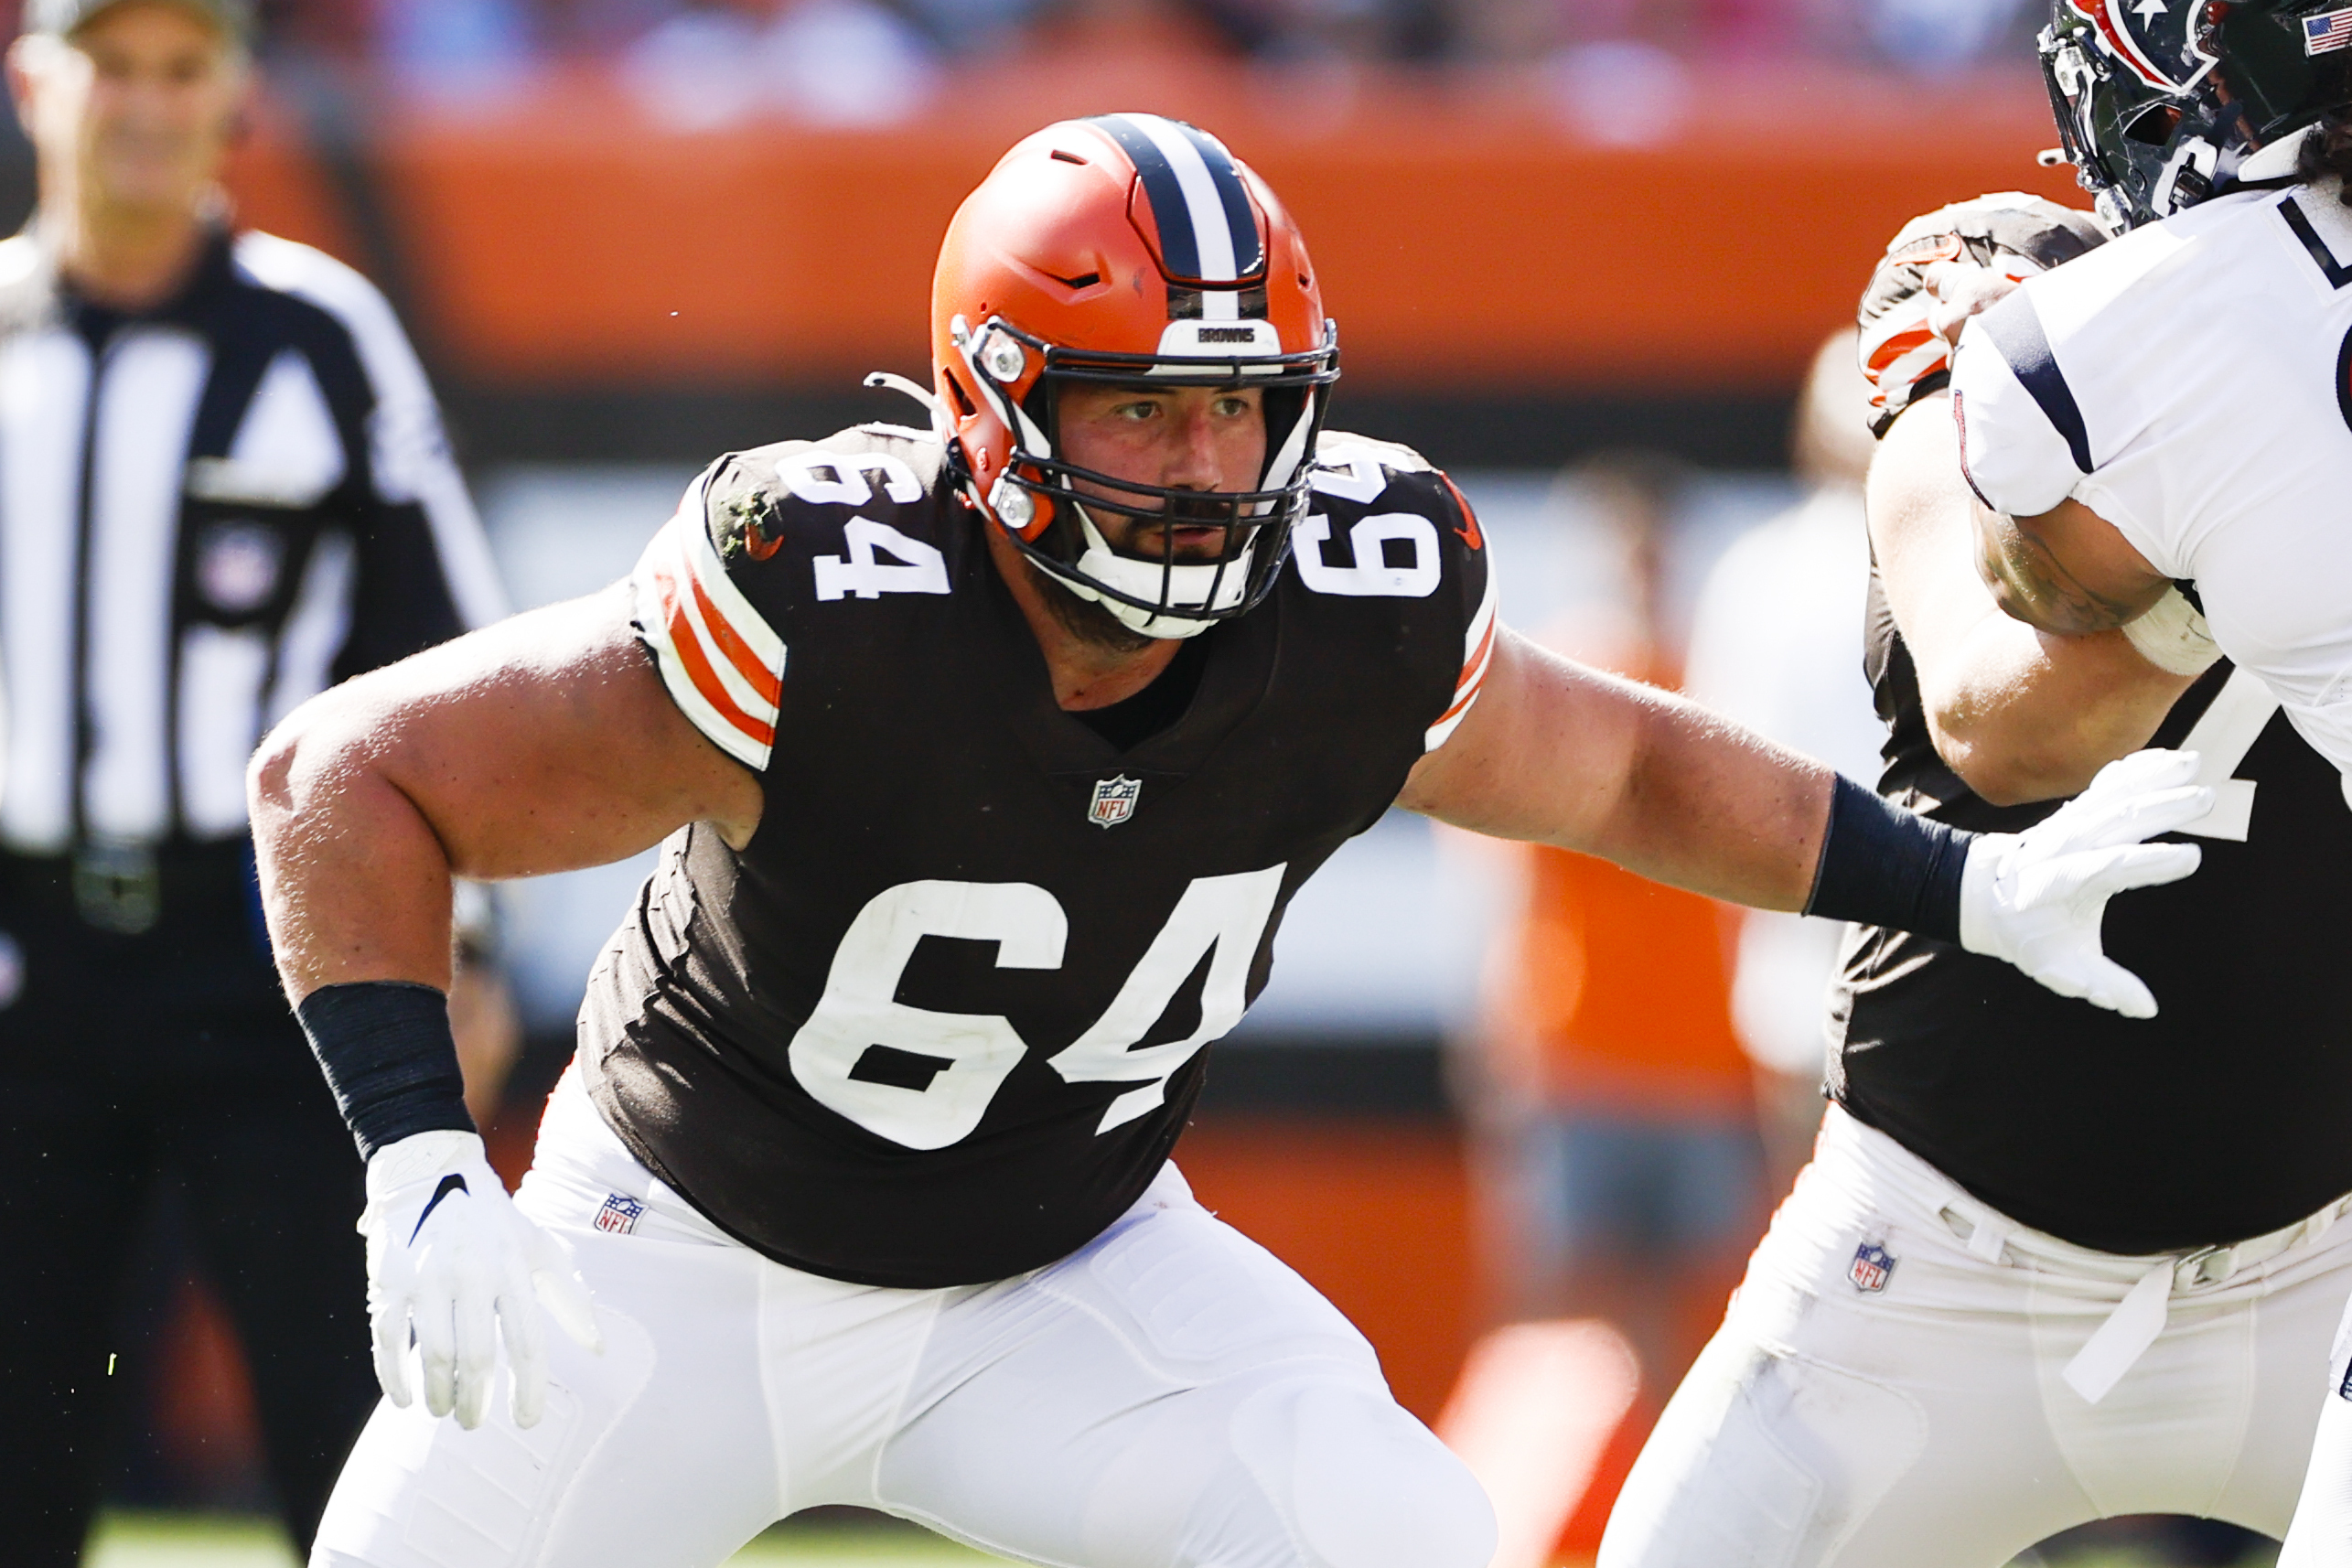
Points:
(1188, 587)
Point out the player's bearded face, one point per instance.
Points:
(1179, 438)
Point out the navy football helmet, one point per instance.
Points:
(2161, 104)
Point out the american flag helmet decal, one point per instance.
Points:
(2327, 32)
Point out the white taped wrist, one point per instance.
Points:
(419, 1155)
(2173, 636)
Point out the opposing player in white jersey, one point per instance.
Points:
(2042, 1270)
(988, 757)
(2160, 432)
(2172, 413)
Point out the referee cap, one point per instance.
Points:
(65, 18)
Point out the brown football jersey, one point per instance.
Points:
(942, 1019)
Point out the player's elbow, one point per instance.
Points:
(1998, 784)
(269, 773)
(2003, 769)
(298, 760)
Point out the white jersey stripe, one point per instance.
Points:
(220, 675)
(408, 450)
(316, 628)
(146, 408)
(44, 383)
(1211, 231)
(720, 658)
(745, 622)
(711, 635)
(1477, 656)
(287, 452)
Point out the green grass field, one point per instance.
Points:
(198, 1541)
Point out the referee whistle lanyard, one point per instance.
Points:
(2138, 1320)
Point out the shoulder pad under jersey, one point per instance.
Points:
(761, 531)
(1389, 526)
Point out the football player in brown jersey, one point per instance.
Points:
(987, 756)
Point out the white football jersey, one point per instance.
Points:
(2187, 384)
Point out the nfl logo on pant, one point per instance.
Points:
(1872, 1265)
(619, 1215)
(1114, 800)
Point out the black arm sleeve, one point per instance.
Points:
(390, 1058)
(1885, 866)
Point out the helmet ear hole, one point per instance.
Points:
(2154, 127)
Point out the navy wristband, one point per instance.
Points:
(390, 1058)
(1883, 866)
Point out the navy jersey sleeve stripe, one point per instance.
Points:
(2018, 332)
(2336, 271)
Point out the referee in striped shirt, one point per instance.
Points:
(222, 487)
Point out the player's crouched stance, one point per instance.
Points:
(987, 758)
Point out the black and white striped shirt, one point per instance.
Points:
(208, 513)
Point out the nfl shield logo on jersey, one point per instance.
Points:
(1114, 800)
(619, 1215)
(1872, 1265)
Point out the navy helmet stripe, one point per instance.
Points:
(2018, 332)
(1179, 251)
(1208, 230)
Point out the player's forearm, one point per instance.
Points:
(1718, 810)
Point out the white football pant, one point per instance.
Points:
(1943, 1419)
(2322, 1534)
(1168, 1396)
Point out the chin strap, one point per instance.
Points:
(2276, 161)
(1144, 579)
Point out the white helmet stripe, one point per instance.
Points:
(1211, 233)
(1208, 226)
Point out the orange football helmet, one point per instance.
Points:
(1129, 249)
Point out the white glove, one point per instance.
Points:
(449, 1255)
(2035, 898)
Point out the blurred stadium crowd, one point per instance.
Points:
(894, 47)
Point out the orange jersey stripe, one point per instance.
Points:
(1477, 661)
(1461, 701)
(687, 645)
(739, 652)
(1462, 697)
(1469, 532)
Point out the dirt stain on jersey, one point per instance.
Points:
(750, 527)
